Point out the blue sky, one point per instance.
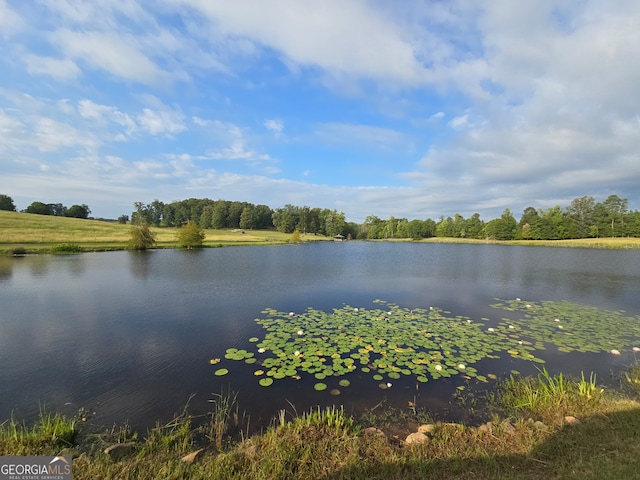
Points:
(413, 109)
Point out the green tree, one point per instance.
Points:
(6, 203)
(206, 218)
(295, 237)
(78, 211)
(503, 228)
(248, 217)
(141, 237)
(123, 219)
(581, 212)
(39, 208)
(474, 226)
(219, 214)
(286, 219)
(190, 235)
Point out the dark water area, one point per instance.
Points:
(129, 335)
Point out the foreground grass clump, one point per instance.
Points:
(51, 431)
(551, 398)
(329, 444)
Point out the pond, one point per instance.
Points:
(130, 336)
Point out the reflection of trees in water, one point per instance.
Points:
(6, 267)
(140, 262)
(39, 264)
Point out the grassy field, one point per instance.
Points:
(42, 233)
(542, 428)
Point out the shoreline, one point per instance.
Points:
(576, 430)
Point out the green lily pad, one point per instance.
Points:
(320, 386)
(221, 371)
(265, 382)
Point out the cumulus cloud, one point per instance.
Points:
(357, 41)
(161, 122)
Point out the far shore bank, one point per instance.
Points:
(22, 233)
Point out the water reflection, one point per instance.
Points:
(139, 263)
(6, 267)
(131, 333)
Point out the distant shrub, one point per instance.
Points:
(67, 248)
(19, 251)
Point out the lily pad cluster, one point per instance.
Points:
(391, 342)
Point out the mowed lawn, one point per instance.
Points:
(38, 233)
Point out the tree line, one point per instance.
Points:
(584, 217)
(40, 208)
(218, 214)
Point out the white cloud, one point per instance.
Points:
(343, 38)
(10, 21)
(50, 135)
(118, 54)
(59, 69)
(161, 122)
(274, 126)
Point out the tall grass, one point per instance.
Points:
(51, 431)
(550, 397)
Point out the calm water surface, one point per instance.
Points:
(129, 335)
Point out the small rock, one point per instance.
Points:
(119, 450)
(373, 431)
(427, 428)
(571, 420)
(487, 427)
(540, 425)
(509, 428)
(416, 438)
(193, 456)
(69, 452)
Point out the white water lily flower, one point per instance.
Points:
(300, 332)
(517, 299)
(291, 314)
(636, 349)
(511, 326)
(389, 385)
(430, 308)
(557, 320)
(468, 321)
(520, 342)
(296, 353)
(438, 367)
(491, 329)
(615, 352)
(261, 350)
(461, 366)
(528, 306)
(355, 309)
(560, 327)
